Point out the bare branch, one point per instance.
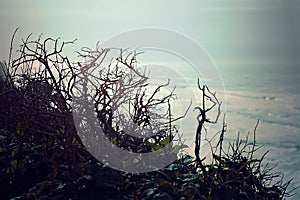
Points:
(202, 118)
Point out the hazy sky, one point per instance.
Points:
(234, 32)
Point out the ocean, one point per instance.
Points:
(266, 93)
(270, 94)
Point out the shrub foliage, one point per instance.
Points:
(42, 156)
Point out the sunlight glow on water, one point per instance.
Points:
(278, 111)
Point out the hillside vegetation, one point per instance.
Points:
(43, 157)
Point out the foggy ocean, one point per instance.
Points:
(270, 94)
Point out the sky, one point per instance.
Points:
(235, 33)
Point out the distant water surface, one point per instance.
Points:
(271, 94)
(268, 93)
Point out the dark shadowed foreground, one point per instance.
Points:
(42, 156)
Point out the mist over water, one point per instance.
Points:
(265, 93)
(270, 94)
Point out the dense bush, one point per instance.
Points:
(42, 156)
